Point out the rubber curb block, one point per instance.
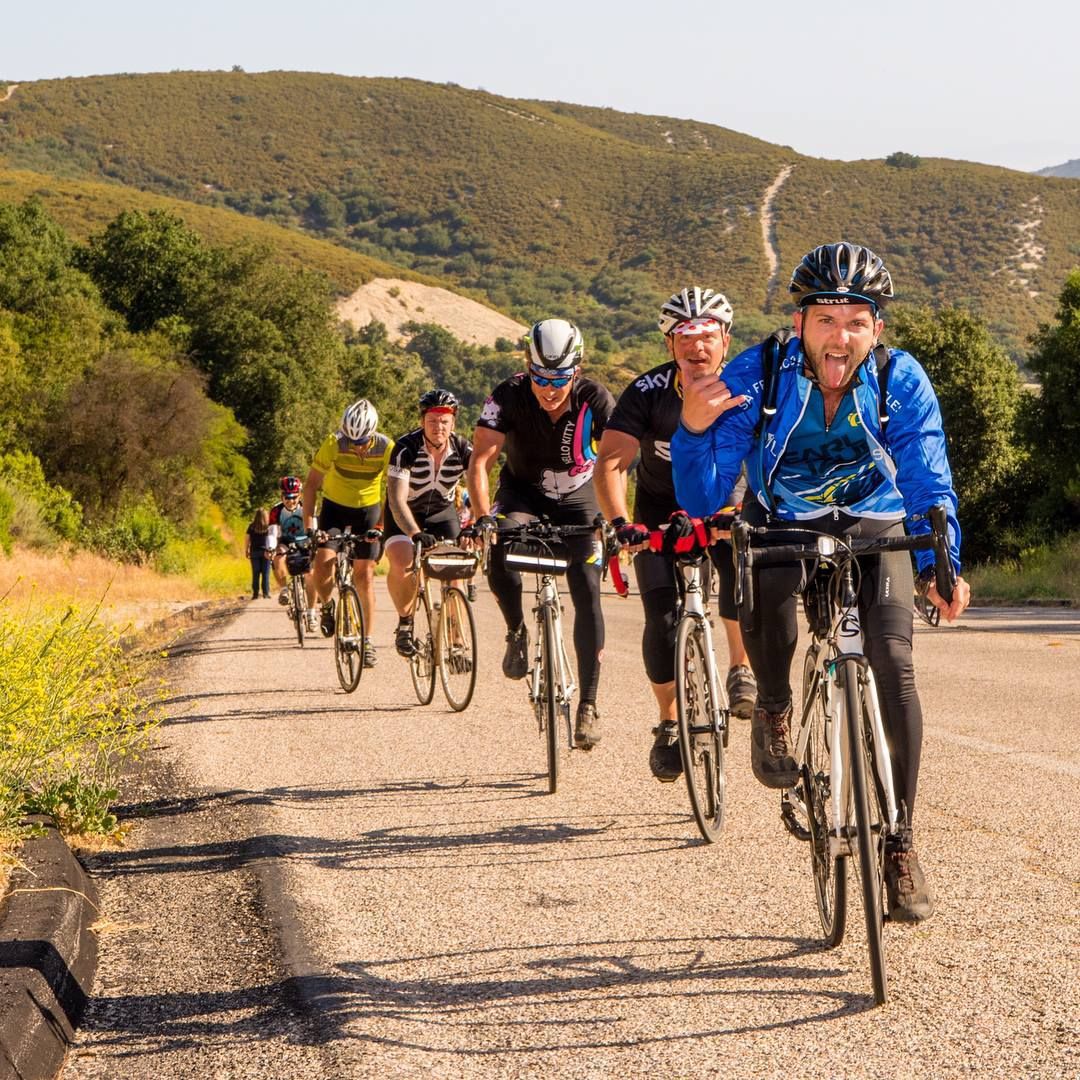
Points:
(48, 956)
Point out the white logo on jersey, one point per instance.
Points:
(557, 485)
(663, 450)
(491, 411)
(659, 381)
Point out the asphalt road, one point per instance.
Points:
(354, 886)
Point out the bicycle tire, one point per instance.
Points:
(299, 607)
(830, 873)
(348, 638)
(869, 834)
(700, 742)
(422, 663)
(457, 659)
(549, 714)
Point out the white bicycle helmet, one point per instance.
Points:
(555, 345)
(694, 302)
(360, 421)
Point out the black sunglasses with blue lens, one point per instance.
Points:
(548, 380)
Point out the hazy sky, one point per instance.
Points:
(981, 81)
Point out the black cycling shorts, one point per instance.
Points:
(333, 515)
(444, 524)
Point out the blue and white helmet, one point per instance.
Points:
(555, 345)
(360, 421)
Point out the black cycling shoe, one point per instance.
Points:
(770, 748)
(587, 726)
(665, 757)
(515, 663)
(404, 641)
(741, 691)
(326, 619)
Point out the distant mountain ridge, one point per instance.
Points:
(550, 207)
(1069, 169)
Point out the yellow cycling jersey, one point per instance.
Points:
(354, 477)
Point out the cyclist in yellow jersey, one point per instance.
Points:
(350, 470)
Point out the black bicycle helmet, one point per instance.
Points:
(841, 273)
(438, 399)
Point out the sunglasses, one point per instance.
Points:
(556, 381)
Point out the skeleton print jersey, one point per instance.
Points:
(430, 490)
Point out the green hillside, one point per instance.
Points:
(543, 206)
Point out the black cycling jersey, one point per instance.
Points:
(648, 410)
(430, 491)
(555, 459)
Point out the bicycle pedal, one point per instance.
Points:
(792, 824)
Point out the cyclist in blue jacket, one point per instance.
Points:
(824, 457)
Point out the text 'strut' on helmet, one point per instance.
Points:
(841, 273)
(360, 421)
(555, 345)
(290, 486)
(694, 302)
(438, 399)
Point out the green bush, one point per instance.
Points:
(7, 511)
(57, 509)
(136, 534)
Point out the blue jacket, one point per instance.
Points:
(911, 454)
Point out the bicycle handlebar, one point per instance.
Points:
(837, 550)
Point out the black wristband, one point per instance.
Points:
(617, 523)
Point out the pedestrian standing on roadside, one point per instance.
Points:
(255, 548)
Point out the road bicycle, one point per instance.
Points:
(701, 700)
(536, 547)
(298, 564)
(845, 803)
(444, 631)
(348, 614)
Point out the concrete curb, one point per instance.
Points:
(48, 956)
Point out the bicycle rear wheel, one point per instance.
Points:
(830, 873)
(870, 826)
(549, 711)
(457, 649)
(299, 607)
(701, 741)
(348, 638)
(422, 661)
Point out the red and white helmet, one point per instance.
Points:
(290, 487)
(694, 302)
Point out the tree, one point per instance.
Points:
(980, 394)
(147, 266)
(1054, 428)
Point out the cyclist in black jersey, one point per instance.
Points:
(547, 420)
(426, 466)
(696, 324)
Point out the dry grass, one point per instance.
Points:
(132, 595)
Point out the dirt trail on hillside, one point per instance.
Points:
(395, 303)
(10, 90)
(768, 231)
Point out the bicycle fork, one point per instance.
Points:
(839, 746)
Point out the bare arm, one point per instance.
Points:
(487, 445)
(614, 458)
(312, 487)
(397, 495)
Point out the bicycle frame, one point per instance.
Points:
(694, 604)
(547, 598)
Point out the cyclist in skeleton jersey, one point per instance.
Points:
(547, 420)
(425, 469)
(696, 324)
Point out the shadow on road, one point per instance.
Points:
(547, 997)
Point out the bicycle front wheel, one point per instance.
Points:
(457, 649)
(422, 661)
(701, 739)
(348, 638)
(549, 710)
(299, 607)
(830, 872)
(870, 827)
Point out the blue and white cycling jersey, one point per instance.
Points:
(899, 475)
